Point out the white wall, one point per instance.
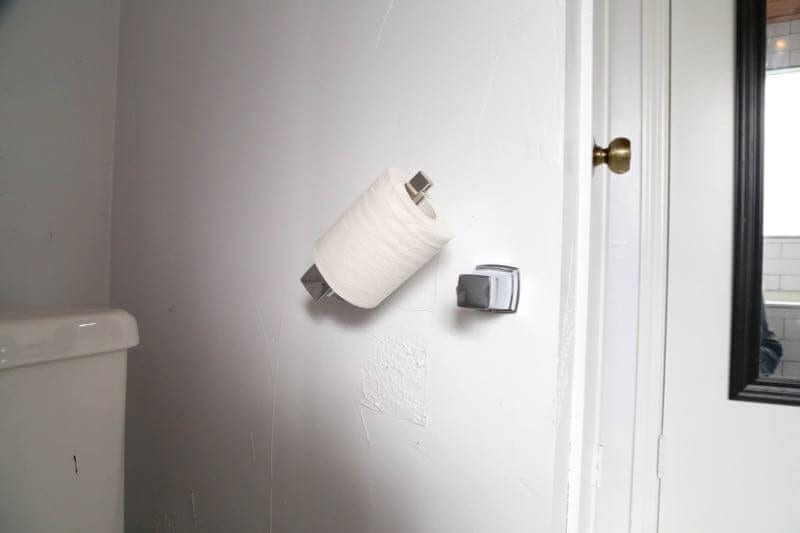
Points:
(244, 129)
(716, 454)
(57, 100)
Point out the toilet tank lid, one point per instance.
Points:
(40, 336)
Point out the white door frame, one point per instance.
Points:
(648, 444)
(580, 357)
(574, 369)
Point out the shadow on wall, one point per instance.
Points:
(309, 471)
(4, 7)
(341, 312)
(406, 297)
(350, 316)
(324, 488)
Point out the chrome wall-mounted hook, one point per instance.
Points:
(489, 288)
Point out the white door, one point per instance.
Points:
(615, 206)
(727, 466)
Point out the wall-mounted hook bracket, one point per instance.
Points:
(489, 288)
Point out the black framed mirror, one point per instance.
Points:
(765, 332)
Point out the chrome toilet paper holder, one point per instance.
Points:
(313, 281)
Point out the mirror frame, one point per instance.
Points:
(751, 48)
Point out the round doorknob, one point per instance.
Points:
(617, 156)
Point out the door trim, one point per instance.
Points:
(653, 280)
(579, 358)
(575, 373)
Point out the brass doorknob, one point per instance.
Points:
(617, 156)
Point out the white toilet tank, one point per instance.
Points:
(62, 420)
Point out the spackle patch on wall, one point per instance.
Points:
(395, 378)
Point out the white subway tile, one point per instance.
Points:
(790, 283)
(792, 329)
(779, 50)
(793, 41)
(782, 266)
(791, 312)
(780, 240)
(778, 28)
(776, 325)
(791, 250)
(789, 369)
(794, 27)
(770, 283)
(782, 312)
(772, 250)
(780, 44)
(777, 44)
(791, 350)
(768, 268)
(776, 60)
(794, 58)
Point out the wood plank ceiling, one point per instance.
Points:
(781, 10)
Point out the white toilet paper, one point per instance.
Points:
(379, 242)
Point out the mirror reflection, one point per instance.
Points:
(780, 325)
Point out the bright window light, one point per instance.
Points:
(782, 153)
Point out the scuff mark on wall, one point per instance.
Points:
(194, 510)
(252, 448)
(272, 430)
(395, 379)
(438, 264)
(567, 338)
(528, 485)
(166, 523)
(383, 23)
(274, 369)
(364, 425)
(420, 447)
(490, 84)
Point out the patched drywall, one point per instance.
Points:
(395, 379)
(244, 129)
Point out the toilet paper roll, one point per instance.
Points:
(379, 242)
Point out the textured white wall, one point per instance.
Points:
(244, 129)
(58, 65)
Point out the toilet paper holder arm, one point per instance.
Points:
(313, 281)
